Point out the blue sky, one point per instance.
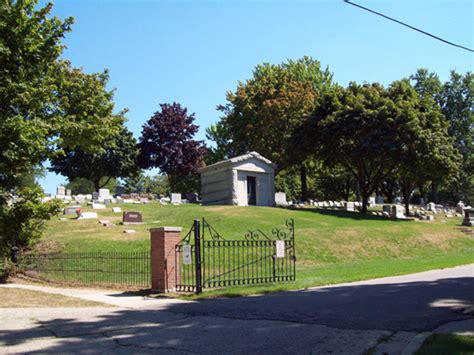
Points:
(192, 52)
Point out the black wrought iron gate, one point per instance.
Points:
(205, 259)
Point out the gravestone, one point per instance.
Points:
(422, 202)
(60, 190)
(280, 199)
(460, 207)
(349, 206)
(98, 206)
(431, 207)
(387, 208)
(80, 198)
(397, 200)
(119, 190)
(116, 210)
(192, 198)
(379, 200)
(68, 192)
(132, 218)
(88, 196)
(468, 217)
(104, 193)
(175, 198)
(88, 215)
(71, 210)
(371, 201)
(95, 196)
(397, 212)
(107, 201)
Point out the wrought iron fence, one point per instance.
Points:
(204, 259)
(99, 268)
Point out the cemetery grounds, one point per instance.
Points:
(331, 246)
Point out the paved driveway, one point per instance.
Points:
(384, 316)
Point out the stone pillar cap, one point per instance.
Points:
(166, 229)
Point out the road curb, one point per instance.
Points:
(415, 343)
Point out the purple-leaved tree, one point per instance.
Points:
(167, 143)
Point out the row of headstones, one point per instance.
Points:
(280, 200)
(103, 196)
(129, 217)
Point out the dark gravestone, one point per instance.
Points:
(95, 196)
(119, 190)
(132, 218)
(192, 198)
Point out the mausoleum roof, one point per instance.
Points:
(238, 159)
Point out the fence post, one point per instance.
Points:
(197, 245)
(163, 263)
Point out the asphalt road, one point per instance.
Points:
(382, 316)
(404, 303)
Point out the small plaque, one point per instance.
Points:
(187, 257)
(280, 248)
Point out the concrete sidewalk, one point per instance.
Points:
(115, 298)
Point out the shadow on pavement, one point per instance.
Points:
(293, 320)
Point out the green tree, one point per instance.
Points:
(364, 128)
(135, 183)
(264, 111)
(115, 159)
(427, 151)
(455, 99)
(22, 220)
(157, 185)
(84, 186)
(45, 105)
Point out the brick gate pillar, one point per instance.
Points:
(163, 264)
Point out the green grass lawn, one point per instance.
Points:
(331, 246)
(440, 344)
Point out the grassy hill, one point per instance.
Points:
(331, 246)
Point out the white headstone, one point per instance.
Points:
(88, 215)
(98, 206)
(280, 199)
(104, 193)
(176, 198)
(80, 198)
(116, 210)
(431, 207)
(349, 206)
(397, 212)
(60, 190)
(371, 201)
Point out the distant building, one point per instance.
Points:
(248, 179)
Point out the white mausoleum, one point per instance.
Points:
(248, 179)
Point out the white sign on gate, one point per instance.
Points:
(187, 258)
(280, 248)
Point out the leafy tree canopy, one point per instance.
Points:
(167, 143)
(115, 159)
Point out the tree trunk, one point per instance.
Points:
(304, 183)
(406, 189)
(365, 199)
(434, 192)
(96, 185)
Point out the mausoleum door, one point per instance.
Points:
(251, 190)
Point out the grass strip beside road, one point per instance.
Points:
(440, 344)
(21, 298)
